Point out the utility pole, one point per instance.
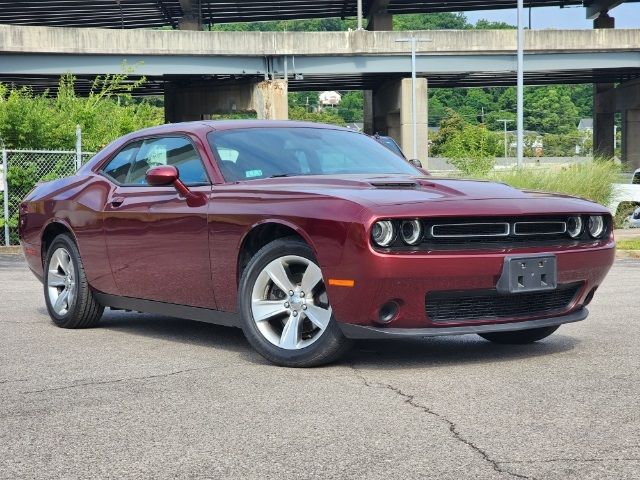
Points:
(414, 41)
(520, 85)
(359, 14)
(505, 121)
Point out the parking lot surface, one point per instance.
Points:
(144, 396)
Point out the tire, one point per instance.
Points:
(310, 336)
(64, 271)
(519, 337)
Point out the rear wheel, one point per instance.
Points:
(519, 337)
(69, 298)
(286, 313)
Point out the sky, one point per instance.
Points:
(626, 15)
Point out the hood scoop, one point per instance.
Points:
(395, 185)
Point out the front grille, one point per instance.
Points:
(455, 233)
(455, 230)
(483, 305)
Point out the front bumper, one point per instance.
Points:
(367, 332)
(407, 279)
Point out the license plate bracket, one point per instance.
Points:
(528, 274)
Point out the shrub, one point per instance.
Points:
(472, 150)
(593, 181)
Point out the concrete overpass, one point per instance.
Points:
(202, 73)
(198, 14)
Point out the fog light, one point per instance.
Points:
(382, 233)
(411, 231)
(388, 312)
(589, 297)
(574, 226)
(596, 226)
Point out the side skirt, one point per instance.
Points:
(228, 319)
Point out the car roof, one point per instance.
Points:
(203, 126)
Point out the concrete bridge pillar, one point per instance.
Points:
(603, 104)
(188, 101)
(191, 19)
(390, 113)
(604, 108)
(631, 138)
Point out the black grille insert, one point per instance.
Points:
(482, 305)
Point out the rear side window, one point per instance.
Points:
(176, 151)
(118, 167)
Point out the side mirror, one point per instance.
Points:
(418, 164)
(164, 175)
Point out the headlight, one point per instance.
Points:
(411, 231)
(574, 226)
(382, 233)
(596, 226)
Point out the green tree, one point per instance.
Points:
(472, 150)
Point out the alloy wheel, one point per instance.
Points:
(61, 282)
(289, 302)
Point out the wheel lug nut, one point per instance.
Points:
(291, 293)
(302, 294)
(295, 314)
(304, 307)
(286, 304)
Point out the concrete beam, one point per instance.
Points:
(598, 7)
(84, 41)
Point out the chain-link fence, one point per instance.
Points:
(20, 171)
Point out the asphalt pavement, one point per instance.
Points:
(145, 396)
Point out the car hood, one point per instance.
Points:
(391, 190)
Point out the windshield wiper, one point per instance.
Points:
(281, 175)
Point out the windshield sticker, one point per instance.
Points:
(252, 173)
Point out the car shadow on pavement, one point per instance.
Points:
(175, 329)
(452, 350)
(427, 352)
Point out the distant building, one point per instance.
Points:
(330, 98)
(585, 125)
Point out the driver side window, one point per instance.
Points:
(130, 165)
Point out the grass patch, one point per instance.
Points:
(628, 244)
(593, 181)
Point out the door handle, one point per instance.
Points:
(117, 201)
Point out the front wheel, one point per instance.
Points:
(519, 337)
(285, 310)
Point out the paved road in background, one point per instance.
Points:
(154, 397)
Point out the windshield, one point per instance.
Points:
(252, 153)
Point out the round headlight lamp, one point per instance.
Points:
(382, 233)
(596, 226)
(574, 226)
(411, 231)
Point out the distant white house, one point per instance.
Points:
(585, 125)
(330, 98)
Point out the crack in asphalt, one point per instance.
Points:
(453, 428)
(117, 380)
(13, 381)
(577, 460)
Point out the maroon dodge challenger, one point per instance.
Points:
(307, 236)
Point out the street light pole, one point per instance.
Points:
(520, 85)
(414, 117)
(505, 121)
(359, 7)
